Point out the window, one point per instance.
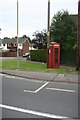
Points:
(20, 44)
(15, 45)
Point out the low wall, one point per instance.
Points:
(10, 54)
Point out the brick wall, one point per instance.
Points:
(11, 54)
(25, 46)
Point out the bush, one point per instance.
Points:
(38, 55)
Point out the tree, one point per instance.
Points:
(24, 36)
(6, 38)
(40, 39)
(63, 29)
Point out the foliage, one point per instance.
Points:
(40, 39)
(63, 30)
(38, 55)
(24, 36)
(6, 38)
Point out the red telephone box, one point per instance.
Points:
(54, 55)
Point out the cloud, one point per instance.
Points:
(32, 14)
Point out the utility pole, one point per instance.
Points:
(78, 39)
(0, 30)
(17, 38)
(48, 33)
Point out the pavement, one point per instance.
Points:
(69, 78)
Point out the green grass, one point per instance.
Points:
(23, 65)
(32, 66)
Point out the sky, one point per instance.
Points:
(32, 15)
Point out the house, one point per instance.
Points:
(10, 45)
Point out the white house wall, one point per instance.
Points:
(20, 46)
(31, 48)
(4, 47)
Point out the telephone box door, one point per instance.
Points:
(54, 55)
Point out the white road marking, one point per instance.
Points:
(29, 91)
(63, 90)
(37, 89)
(32, 112)
(41, 87)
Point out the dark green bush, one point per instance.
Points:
(38, 55)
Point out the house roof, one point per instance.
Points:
(13, 40)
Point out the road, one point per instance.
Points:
(23, 98)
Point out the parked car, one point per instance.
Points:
(27, 55)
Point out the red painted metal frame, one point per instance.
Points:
(52, 55)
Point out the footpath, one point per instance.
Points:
(70, 78)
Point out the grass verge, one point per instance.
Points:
(33, 66)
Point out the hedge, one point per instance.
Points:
(38, 55)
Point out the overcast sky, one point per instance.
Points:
(32, 15)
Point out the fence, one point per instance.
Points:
(68, 57)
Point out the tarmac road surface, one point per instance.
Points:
(25, 98)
